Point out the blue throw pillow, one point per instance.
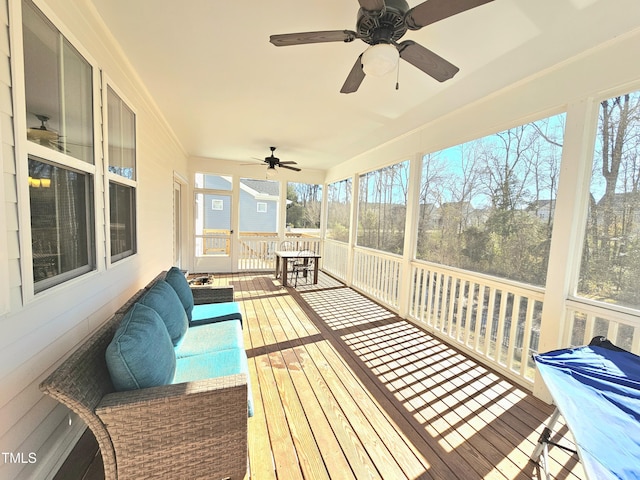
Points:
(141, 354)
(177, 280)
(165, 301)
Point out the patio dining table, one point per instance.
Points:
(282, 263)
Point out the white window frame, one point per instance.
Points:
(352, 182)
(574, 295)
(261, 207)
(24, 148)
(110, 177)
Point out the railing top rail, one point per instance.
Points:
(617, 313)
(530, 291)
(258, 235)
(378, 253)
(336, 242)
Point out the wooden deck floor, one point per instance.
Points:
(345, 389)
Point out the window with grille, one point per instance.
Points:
(60, 147)
(121, 128)
(61, 222)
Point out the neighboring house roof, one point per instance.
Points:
(264, 187)
(623, 198)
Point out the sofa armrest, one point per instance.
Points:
(209, 294)
(188, 430)
(118, 403)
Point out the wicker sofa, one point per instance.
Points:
(193, 427)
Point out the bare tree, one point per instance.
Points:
(612, 238)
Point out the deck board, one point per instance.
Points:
(344, 389)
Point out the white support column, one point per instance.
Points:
(353, 226)
(410, 232)
(323, 216)
(282, 210)
(568, 225)
(235, 223)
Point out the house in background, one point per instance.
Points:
(124, 186)
(543, 209)
(258, 200)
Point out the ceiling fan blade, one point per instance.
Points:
(427, 61)
(289, 162)
(290, 168)
(372, 5)
(355, 77)
(433, 11)
(287, 39)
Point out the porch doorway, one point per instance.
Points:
(213, 239)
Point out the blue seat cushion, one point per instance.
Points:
(210, 337)
(213, 365)
(216, 312)
(175, 277)
(141, 353)
(165, 301)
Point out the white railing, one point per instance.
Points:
(495, 320)
(586, 320)
(305, 243)
(256, 253)
(378, 275)
(335, 259)
(212, 245)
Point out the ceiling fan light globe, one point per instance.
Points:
(380, 59)
(271, 172)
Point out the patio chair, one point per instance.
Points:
(287, 246)
(304, 265)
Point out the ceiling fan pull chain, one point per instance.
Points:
(398, 77)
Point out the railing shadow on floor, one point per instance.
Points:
(421, 381)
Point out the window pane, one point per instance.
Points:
(77, 127)
(61, 223)
(213, 182)
(383, 208)
(259, 206)
(339, 210)
(59, 114)
(488, 205)
(122, 220)
(122, 137)
(213, 224)
(610, 268)
(304, 202)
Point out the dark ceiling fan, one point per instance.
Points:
(384, 22)
(272, 162)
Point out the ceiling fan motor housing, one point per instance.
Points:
(388, 27)
(272, 160)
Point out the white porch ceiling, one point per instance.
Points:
(229, 94)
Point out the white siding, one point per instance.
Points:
(37, 333)
(7, 185)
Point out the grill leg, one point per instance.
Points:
(542, 449)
